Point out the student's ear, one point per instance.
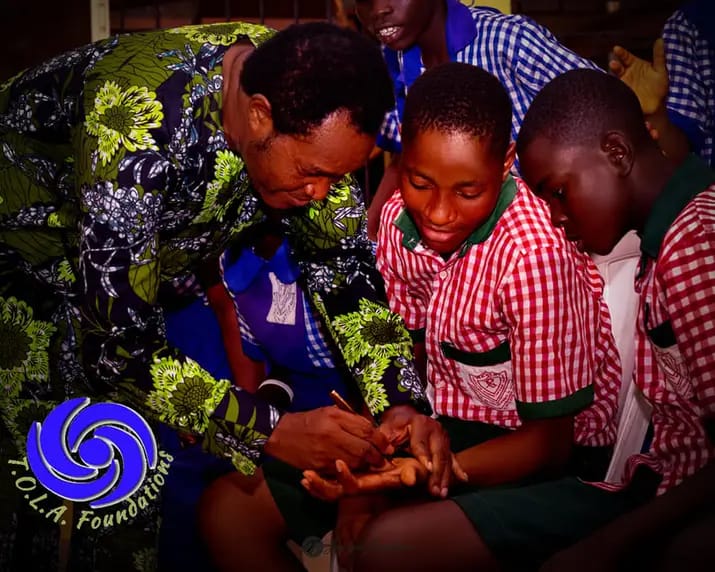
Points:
(260, 118)
(619, 152)
(508, 160)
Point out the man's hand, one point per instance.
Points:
(315, 439)
(649, 80)
(428, 443)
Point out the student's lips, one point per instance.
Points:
(388, 34)
(436, 236)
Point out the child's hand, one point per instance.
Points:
(401, 471)
(649, 80)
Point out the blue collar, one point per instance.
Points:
(240, 273)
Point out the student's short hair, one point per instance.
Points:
(457, 97)
(580, 106)
(309, 71)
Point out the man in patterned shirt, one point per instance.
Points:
(128, 163)
(508, 318)
(585, 151)
(419, 34)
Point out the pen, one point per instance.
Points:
(345, 406)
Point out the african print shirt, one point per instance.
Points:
(116, 183)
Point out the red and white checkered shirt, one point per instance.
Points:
(675, 345)
(514, 323)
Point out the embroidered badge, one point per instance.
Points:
(284, 303)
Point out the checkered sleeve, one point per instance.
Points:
(249, 343)
(554, 317)
(394, 263)
(389, 137)
(686, 54)
(686, 268)
(317, 348)
(538, 56)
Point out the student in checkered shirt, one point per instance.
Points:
(509, 320)
(585, 150)
(419, 34)
(677, 89)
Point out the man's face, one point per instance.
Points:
(585, 194)
(396, 23)
(450, 184)
(290, 171)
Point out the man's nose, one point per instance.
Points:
(318, 191)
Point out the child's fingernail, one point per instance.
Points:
(444, 491)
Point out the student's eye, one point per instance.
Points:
(419, 185)
(469, 194)
(558, 193)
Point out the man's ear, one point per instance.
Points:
(619, 152)
(260, 118)
(509, 160)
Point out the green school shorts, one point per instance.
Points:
(522, 523)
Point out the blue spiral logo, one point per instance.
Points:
(72, 453)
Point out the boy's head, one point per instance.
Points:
(577, 147)
(397, 23)
(456, 152)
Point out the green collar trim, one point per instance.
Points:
(411, 236)
(689, 179)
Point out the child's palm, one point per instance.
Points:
(649, 81)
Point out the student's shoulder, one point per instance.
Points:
(527, 222)
(693, 228)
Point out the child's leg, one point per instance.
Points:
(242, 526)
(431, 536)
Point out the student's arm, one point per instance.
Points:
(537, 446)
(552, 317)
(649, 81)
(247, 373)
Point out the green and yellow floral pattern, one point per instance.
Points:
(23, 349)
(185, 395)
(123, 117)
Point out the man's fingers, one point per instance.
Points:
(364, 429)
(441, 462)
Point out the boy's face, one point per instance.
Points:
(396, 23)
(585, 192)
(450, 183)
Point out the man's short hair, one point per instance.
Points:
(457, 97)
(310, 71)
(579, 107)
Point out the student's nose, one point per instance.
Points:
(381, 8)
(558, 218)
(439, 211)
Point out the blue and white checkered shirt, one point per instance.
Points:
(523, 55)
(691, 97)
